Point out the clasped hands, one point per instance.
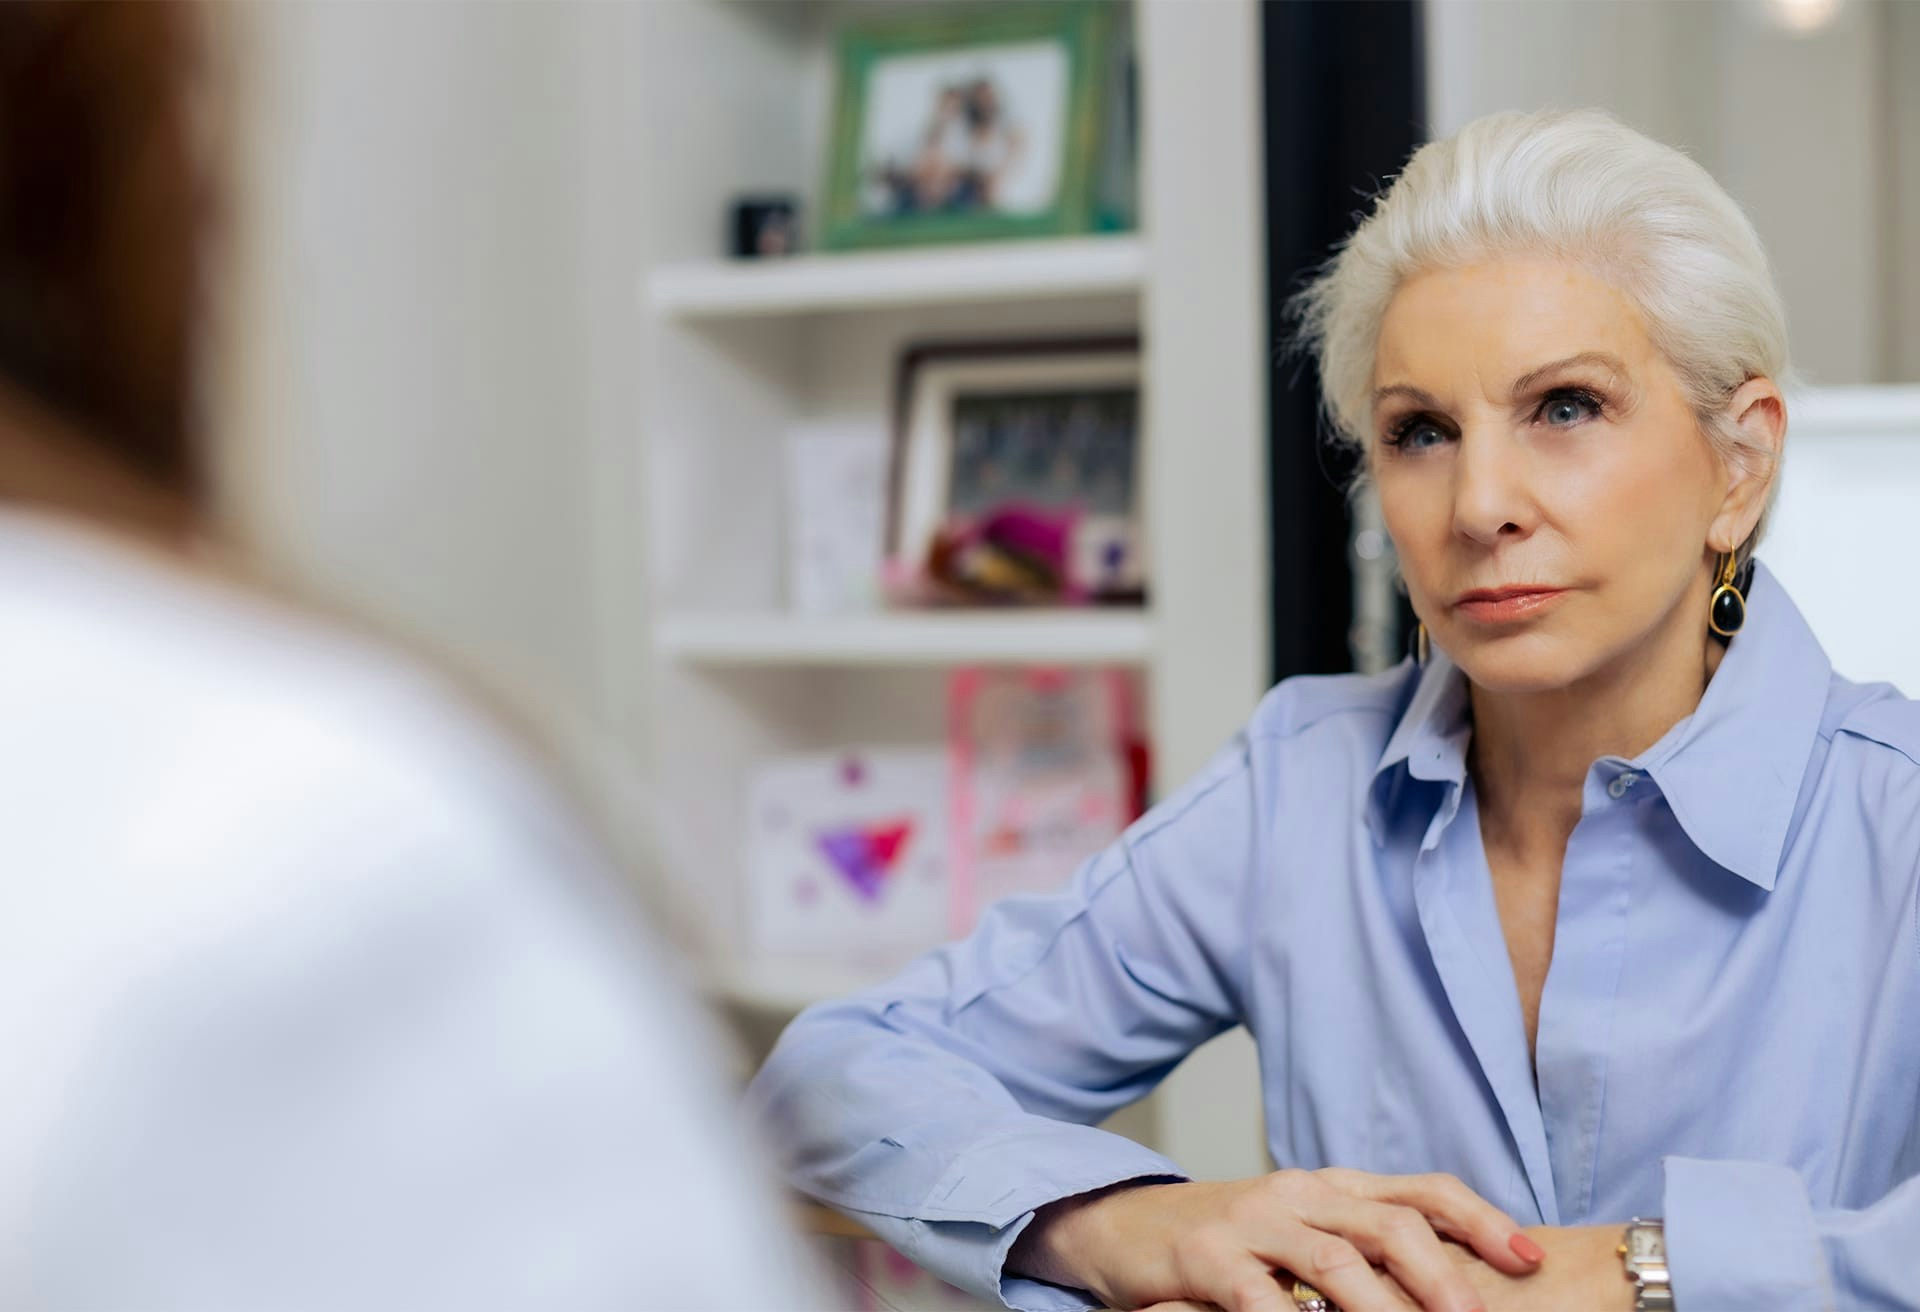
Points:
(1370, 1243)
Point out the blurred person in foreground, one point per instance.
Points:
(1581, 948)
(311, 994)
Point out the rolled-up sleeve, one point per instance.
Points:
(944, 1106)
(1744, 1235)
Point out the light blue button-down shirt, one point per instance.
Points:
(1729, 1033)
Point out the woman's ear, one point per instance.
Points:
(1758, 412)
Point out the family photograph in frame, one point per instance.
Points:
(1016, 473)
(957, 125)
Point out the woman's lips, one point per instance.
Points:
(1511, 606)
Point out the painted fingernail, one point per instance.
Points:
(1525, 1249)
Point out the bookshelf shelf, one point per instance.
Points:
(1124, 638)
(780, 988)
(1010, 271)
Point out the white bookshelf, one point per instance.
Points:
(786, 987)
(730, 356)
(1044, 638)
(1052, 269)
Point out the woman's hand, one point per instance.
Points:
(1582, 1273)
(1136, 1245)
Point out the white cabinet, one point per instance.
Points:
(733, 355)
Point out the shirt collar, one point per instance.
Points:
(1731, 771)
(1430, 740)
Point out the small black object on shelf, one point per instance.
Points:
(765, 226)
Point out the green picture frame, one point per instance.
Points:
(1082, 28)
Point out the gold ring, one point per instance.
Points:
(1308, 1299)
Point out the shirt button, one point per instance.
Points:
(1618, 788)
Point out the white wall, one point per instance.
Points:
(1817, 136)
(1841, 532)
(1901, 240)
(415, 440)
(431, 395)
(436, 377)
(1638, 59)
(1200, 76)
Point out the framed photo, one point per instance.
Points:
(963, 124)
(1027, 455)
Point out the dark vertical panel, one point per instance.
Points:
(1345, 105)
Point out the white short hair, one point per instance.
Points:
(1579, 185)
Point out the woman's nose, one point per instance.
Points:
(1491, 497)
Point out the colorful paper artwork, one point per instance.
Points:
(866, 855)
(872, 856)
(1048, 767)
(847, 855)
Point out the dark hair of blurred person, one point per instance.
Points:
(313, 994)
(105, 221)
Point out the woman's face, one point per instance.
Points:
(1527, 434)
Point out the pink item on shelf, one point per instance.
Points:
(1044, 773)
(885, 1281)
(1020, 554)
(1034, 531)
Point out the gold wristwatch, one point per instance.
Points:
(1644, 1250)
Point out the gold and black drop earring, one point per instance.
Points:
(1421, 647)
(1728, 609)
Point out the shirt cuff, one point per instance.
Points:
(1741, 1235)
(1042, 1165)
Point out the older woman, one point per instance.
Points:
(1582, 949)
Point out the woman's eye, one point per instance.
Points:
(1565, 408)
(1411, 434)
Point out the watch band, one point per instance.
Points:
(1643, 1251)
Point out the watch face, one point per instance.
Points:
(1645, 1244)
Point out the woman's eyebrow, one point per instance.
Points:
(1525, 382)
(1521, 385)
(1406, 390)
